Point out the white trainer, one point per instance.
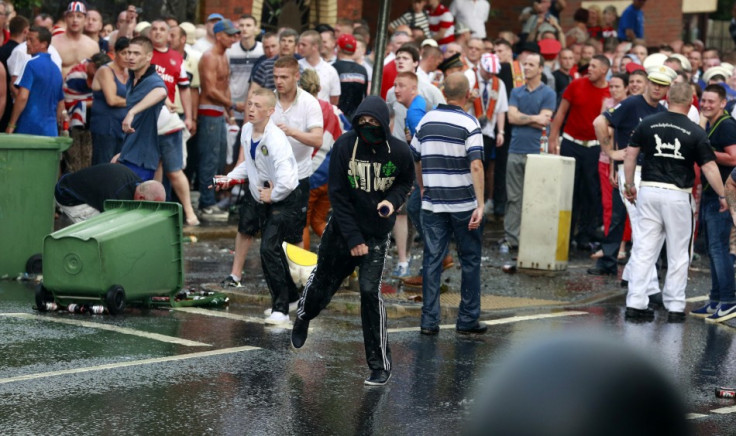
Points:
(277, 318)
(292, 308)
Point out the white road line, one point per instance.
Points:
(695, 416)
(509, 320)
(696, 299)
(220, 314)
(724, 410)
(127, 364)
(112, 328)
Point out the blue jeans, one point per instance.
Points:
(211, 142)
(414, 209)
(437, 228)
(718, 230)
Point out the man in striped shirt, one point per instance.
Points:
(448, 153)
(441, 23)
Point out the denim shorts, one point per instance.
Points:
(172, 155)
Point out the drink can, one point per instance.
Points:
(97, 308)
(722, 392)
(384, 211)
(51, 306)
(73, 308)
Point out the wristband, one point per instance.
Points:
(721, 197)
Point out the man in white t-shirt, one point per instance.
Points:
(309, 47)
(242, 57)
(299, 115)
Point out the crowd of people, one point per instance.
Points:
(443, 148)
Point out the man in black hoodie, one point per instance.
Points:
(371, 173)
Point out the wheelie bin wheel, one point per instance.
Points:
(115, 300)
(43, 296)
(34, 265)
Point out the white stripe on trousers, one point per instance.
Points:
(634, 219)
(382, 311)
(665, 216)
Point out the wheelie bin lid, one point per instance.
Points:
(20, 141)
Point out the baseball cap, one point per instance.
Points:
(662, 75)
(215, 16)
(490, 63)
(225, 26)
(347, 43)
(633, 66)
(76, 7)
(140, 27)
(549, 48)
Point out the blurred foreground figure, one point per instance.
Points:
(577, 386)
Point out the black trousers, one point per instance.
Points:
(334, 264)
(587, 210)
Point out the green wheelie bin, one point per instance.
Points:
(127, 254)
(29, 168)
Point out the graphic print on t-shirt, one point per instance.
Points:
(665, 146)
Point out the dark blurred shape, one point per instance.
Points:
(577, 386)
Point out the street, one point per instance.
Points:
(221, 371)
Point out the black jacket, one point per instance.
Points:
(363, 175)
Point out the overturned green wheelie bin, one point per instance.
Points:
(130, 253)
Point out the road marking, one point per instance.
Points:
(509, 320)
(112, 328)
(696, 299)
(128, 364)
(220, 314)
(724, 410)
(695, 416)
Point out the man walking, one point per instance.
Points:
(530, 111)
(448, 150)
(371, 173)
(671, 144)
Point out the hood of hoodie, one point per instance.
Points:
(375, 107)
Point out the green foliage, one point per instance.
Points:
(724, 10)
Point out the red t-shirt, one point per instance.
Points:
(169, 67)
(585, 105)
(388, 78)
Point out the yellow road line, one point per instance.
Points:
(108, 327)
(509, 320)
(108, 366)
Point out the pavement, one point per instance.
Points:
(502, 291)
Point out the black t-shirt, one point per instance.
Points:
(93, 185)
(625, 116)
(721, 135)
(561, 82)
(353, 86)
(671, 143)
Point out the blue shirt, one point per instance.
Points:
(42, 78)
(632, 18)
(525, 139)
(141, 147)
(417, 110)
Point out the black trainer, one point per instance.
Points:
(477, 329)
(230, 282)
(602, 272)
(299, 332)
(655, 301)
(639, 314)
(429, 331)
(675, 317)
(379, 377)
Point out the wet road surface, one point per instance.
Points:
(221, 371)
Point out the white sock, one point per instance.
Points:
(236, 278)
(404, 264)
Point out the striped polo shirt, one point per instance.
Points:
(447, 140)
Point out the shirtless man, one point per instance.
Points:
(73, 45)
(214, 102)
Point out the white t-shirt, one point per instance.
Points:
(329, 80)
(304, 114)
(19, 57)
(202, 44)
(472, 13)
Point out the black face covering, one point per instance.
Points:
(372, 135)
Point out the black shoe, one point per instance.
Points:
(639, 314)
(675, 316)
(655, 301)
(624, 283)
(477, 329)
(601, 272)
(379, 377)
(429, 331)
(299, 332)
